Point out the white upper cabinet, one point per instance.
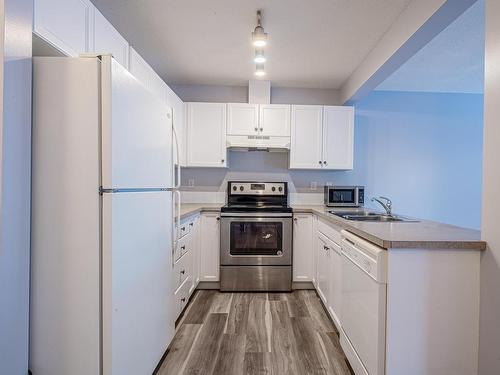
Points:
(274, 120)
(141, 70)
(66, 24)
(258, 119)
(206, 135)
(242, 119)
(306, 137)
(338, 137)
(303, 252)
(322, 137)
(108, 40)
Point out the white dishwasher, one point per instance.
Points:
(364, 290)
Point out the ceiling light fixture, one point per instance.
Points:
(259, 70)
(259, 56)
(259, 37)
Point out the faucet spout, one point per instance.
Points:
(386, 203)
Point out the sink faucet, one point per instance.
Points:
(387, 204)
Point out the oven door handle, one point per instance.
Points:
(256, 214)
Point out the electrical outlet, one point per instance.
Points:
(329, 183)
(191, 182)
(314, 185)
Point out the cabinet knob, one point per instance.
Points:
(295, 219)
(261, 129)
(183, 272)
(256, 129)
(320, 162)
(183, 247)
(218, 218)
(191, 224)
(183, 299)
(222, 161)
(324, 162)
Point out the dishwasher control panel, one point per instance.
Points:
(370, 258)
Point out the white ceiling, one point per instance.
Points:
(313, 44)
(451, 62)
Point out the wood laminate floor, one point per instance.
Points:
(255, 333)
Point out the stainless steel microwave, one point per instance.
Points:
(344, 196)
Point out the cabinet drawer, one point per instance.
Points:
(181, 247)
(182, 295)
(329, 230)
(182, 269)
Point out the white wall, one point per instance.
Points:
(239, 94)
(489, 335)
(15, 209)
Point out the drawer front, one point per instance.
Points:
(329, 230)
(182, 269)
(181, 247)
(185, 227)
(182, 295)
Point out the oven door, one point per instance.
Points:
(256, 241)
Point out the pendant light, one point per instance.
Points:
(259, 37)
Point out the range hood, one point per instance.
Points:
(257, 143)
(259, 92)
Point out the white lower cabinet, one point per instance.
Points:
(323, 267)
(303, 250)
(334, 302)
(210, 247)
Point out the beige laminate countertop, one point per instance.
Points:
(423, 234)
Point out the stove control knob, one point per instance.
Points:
(241, 188)
(273, 188)
(234, 188)
(280, 189)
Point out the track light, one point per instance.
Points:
(259, 57)
(259, 37)
(259, 70)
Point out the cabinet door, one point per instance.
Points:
(334, 299)
(108, 40)
(303, 266)
(274, 119)
(195, 237)
(323, 268)
(206, 135)
(306, 137)
(66, 24)
(210, 247)
(242, 119)
(139, 68)
(338, 137)
(179, 124)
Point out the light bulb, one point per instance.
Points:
(259, 37)
(260, 73)
(259, 57)
(259, 43)
(259, 70)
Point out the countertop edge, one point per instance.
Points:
(443, 245)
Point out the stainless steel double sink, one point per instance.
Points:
(371, 216)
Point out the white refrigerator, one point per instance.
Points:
(102, 220)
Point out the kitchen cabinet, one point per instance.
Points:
(323, 267)
(338, 137)
(303, 251)
(306, 137)
(274, 120)
(210, 247)
(141, 70)
(106, 39)
(334, 299)
(195, 246)
(66, 24)
(242, 119)
(206, 135)
(178, 110)
(258, 119)
(322, 137)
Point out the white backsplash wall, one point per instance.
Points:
(208, 185)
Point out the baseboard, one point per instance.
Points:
(204, 285)
(302, 285)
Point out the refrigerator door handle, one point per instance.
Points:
(176, 221)
(177, 178)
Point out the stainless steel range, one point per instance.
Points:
(256, 237)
